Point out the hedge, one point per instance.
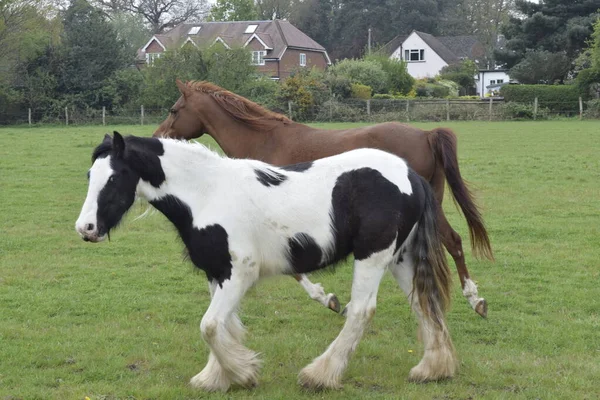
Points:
(557, 98)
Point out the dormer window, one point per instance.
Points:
(194, 30)
(414, 55)
(251, 28)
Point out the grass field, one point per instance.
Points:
(120, 320)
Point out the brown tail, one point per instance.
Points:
(432, 276)
(443, 143)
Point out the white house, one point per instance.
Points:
(489, 82)
(425, 55)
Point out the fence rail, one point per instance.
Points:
(332, 110)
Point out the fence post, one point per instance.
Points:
(407, 112)
(103, 115)
(447, 110)
(142, 115)
(66, 115)
(29, 115)
(580, 108)
(535, 107)
(490, 111)
(290, 109)
(369, 108)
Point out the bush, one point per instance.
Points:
(592, 109)
(362, 92)
(557, 98)
(265, 92)
(523, 111)
(463, 74)
(588, 83)
(366, 72)
(306, 90)
(426, 88)
(383, 96)
(399, 80)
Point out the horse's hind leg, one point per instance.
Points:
(438, 360)
(453, 243)
(326, 370)
(229, 361)
(316, 292)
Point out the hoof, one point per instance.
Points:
(312, 380)
(333, 303)
(481, 308)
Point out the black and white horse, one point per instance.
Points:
(242, 220)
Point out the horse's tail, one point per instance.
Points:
(431, 280)
(443, 143)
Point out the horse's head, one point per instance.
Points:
(111, 190)
(183, 121)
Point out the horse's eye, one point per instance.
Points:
(111, 179)
(173, 111)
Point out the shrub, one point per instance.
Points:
(523, 111)
(339, 85)
(592, 109)
(463, 74)
(306, 90)
(399, 80)
(557, 98)
(333, 110)
(366, 72)
(361, 91)
(383, 96)
(425, 88)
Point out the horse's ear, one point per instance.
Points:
(118, 144)
(107, 138)
(182, 87)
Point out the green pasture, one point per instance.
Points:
(120, 319)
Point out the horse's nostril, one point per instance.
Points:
(89, 227)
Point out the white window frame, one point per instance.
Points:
(251, 28)
(302, 59)
(151, 57)
(258, 57)
(419, 53)
(194, 30)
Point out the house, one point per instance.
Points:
(425, 56)
(489, 81)
(278, 48)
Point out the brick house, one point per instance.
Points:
(278, 48)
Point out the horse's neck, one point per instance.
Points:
(190, 171)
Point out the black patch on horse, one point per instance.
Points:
(141, 155)
(208, 248)
(305, 255)
(369, 212)
(269, 177)
(300, 167)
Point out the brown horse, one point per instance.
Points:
(244, 129)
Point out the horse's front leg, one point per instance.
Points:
(316, 292)
(326, 370)
(229, 361)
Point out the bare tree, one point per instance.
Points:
(160, 14)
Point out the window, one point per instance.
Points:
(414, 55)
(302, 60)
(194, 30)
(500, 81)
(250, 28)
(151, 57)
(258, 57)
(492, 82)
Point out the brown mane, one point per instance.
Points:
(240, 108)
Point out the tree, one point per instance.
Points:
(131, 30)
(365, 72)
(314, 17)
(275, 9)
(92, 51)
(541, 67)
(399, 80)
(482, 18)
(233, 10)
(159, 14)
(550, 25)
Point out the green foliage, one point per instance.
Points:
(132, 30)
(588, 83)
(339, 85)
(265, 92)
(463, 74)
(592, 109)
(92, 51)
(361, 91)
(523, 111)
(186, 63)
(541, 67)
(552, 26)
(123, 90)
(383, 96)
(595, 46)
(230, 68)
(435, 89)
(306, 90)
(555, 97)
(233, 10)
(399, 80)
(365, 72)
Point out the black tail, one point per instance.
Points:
(431, 281)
